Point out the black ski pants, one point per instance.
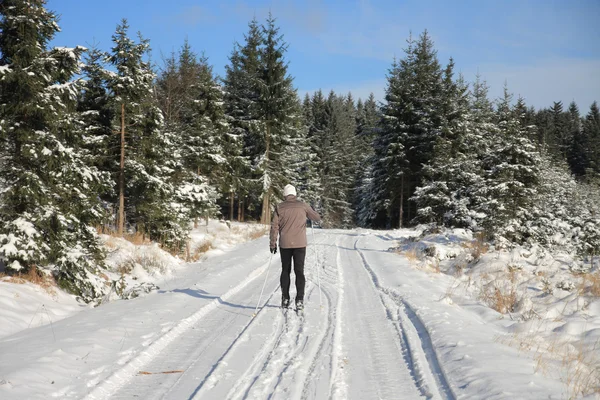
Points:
(298, 254)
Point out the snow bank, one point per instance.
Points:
(548, 304)
(132, 269)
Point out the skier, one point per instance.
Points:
(289, 222)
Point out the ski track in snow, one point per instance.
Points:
(364, 335)
(279, 355)
(119, 378)
(420, 355)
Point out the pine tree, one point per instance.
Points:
(591, 131)
(95, 115)
(512, 169)
(577, 152)
(446, 195)
(308, 172)
(192, 101)
(340, 163)
(367, 128)
(277, 112)
(413, 119)
(148, 156)
(48, 205)
(241, 93)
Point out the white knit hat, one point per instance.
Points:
(289, 190)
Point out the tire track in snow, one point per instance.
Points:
(419, 345)
(120, 377)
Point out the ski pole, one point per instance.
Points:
(312, 229)
(263, 288)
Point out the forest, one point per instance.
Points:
(94, 142)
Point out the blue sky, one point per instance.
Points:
(545, 50)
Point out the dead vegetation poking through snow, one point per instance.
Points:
(575, 364)
(530, 285)
(45, 281)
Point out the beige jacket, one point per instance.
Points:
(289, 222)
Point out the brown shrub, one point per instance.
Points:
(590, 284)
(477, 246)
(253, 235)
(412, 255)
(34, 276)
(503, 300)
(200, 250)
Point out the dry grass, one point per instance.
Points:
(200, 250)
(590, 284)
(578, 366)
(134, 238)
(581, 370)
(477, 246)
(412, 255)
(34, 276)
(251, 234)
(148, 262)
(503, 300)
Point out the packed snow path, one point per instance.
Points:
(376, 330)
(227, 354)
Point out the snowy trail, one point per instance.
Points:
(375, 354)
(375, 331)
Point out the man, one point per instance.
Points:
(289, 222)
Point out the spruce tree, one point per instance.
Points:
(412, 113)
(49, 204)
(277, 112)
(95, 111)
(591, 131)
(446, 194)
(148, 156)
(577, 152)
(340, 163)
(512, 172)
(241, 93)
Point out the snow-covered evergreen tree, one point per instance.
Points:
(577, 152)
(241, 93)
(340, 163)
(445, 196)
(591, 131)
(48, 202)
(512, 174)
(368, 124)
(278, 113)
(151, 156)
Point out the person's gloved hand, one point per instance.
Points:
(273, 250)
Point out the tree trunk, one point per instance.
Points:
(122, 175)
(409, 205)
(240, 206)
(401, 201)
(265, 218)
(231, 204)
(266, 213)
(243, 209)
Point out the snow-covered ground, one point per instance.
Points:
(24, 305)
(393, 319)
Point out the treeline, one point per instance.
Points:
(128, 148)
